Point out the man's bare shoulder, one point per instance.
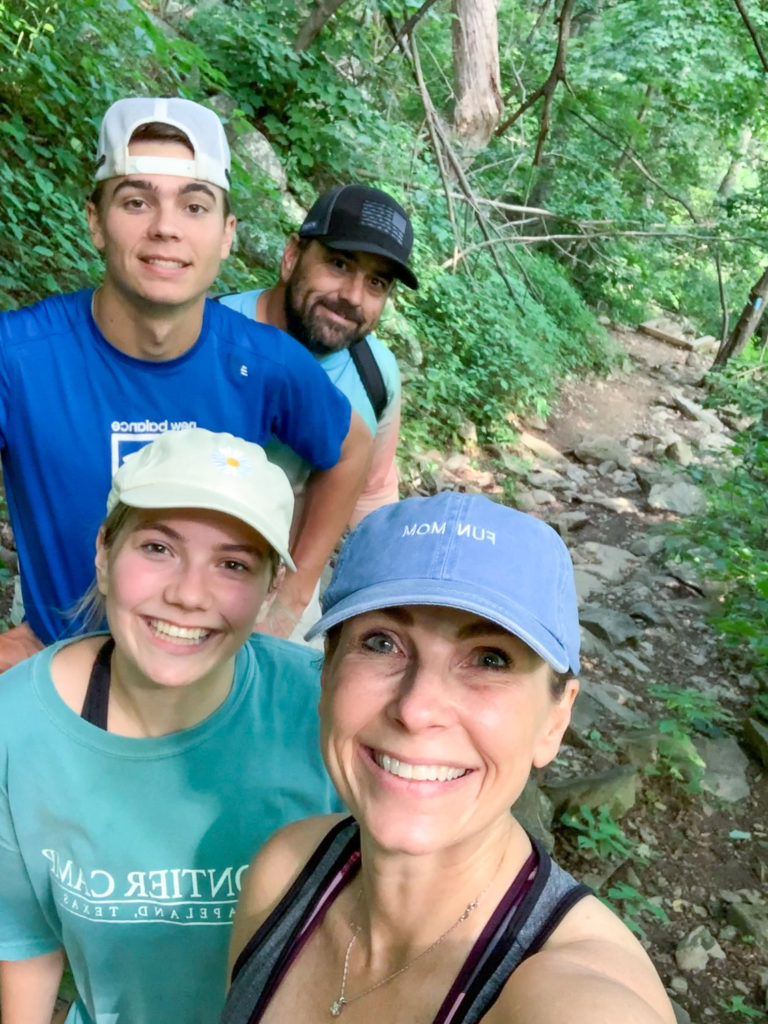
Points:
(592, 970)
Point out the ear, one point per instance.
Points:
(101, 561)
(290, 258)
(548, 743)
(94, 225)
(229, 235)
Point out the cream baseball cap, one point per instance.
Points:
(199, 469)
(211, 158)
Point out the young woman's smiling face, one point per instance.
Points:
(431, 721)
(182, 588)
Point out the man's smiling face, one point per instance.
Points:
(163, 236)
(333, 297)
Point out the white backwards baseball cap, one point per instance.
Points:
(211, 160)
(199, 469)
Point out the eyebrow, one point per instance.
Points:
(142, 185)
(172, 534)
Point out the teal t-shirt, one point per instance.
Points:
(130, 853)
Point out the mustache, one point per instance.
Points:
(342, 308)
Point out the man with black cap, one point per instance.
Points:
(87, 378)
(335, 276)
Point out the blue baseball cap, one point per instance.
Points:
(461, 551)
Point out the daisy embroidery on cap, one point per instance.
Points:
(231, 461)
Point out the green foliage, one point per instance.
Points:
(688, 711)
(729, 542)
(737, 1007)
(61, 65)
(599, 834)
(631, 905)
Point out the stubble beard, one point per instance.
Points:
(319, 336)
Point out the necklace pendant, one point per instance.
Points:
(338, 1006)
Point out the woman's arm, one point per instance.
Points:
(591, 971)
(28, 988)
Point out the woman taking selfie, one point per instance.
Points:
(140, 770)
(452, 644)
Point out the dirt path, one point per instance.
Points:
(706, 854)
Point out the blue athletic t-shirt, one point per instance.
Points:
(72, 406)
(130, 853)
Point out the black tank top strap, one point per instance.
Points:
(272, 949)
(96, 703)
(518, 928)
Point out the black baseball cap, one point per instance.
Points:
(362, 219)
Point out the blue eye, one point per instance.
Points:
(379, 643)
(492, 658)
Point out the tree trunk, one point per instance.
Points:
(737, 160)
(747, 323)
(322, 11)
(476, 71)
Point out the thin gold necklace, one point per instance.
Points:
(338, 1004)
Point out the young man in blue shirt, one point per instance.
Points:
(86, 378)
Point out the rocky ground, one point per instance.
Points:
(662, 733)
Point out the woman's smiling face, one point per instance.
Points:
(183, 588)
(431, 720)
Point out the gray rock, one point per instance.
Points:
(648, 612)
(567, 523)
(619, 504)
(756, 738)
(610, 563)
(587, 583)
(681, 1014)
(615, 627)
(682, 496)
(693, 411)
(725, 776)
(256, 153)
(679, 451)
(615, 789)
(535, 812)
(603, 449)
(696, 949)
(546, 478)
(647, 546)
(542, 449)
(543, 497)
(632, 661)
(750, 920)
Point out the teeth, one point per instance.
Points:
(186, 634)
(164, 263)
(418, 772)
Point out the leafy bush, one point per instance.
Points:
(729, 542)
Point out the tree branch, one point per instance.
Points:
(408, 26)
(548, 87)
(752, 31)
(637, 162)
(443, 148)
(322, 11)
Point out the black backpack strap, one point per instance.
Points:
(370, 375)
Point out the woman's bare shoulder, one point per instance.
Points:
(591, 969)
(277, 864)
(273, 871)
